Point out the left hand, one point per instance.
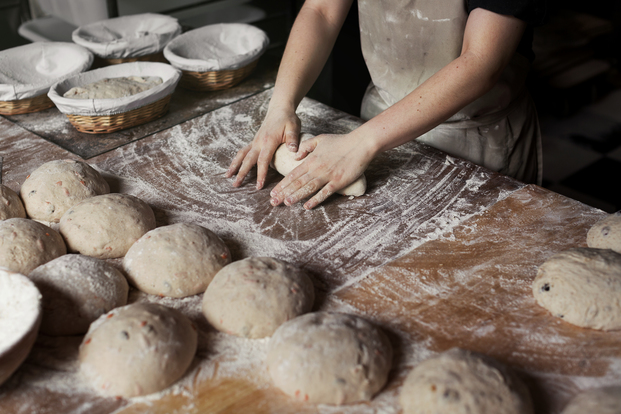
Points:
(331, 162)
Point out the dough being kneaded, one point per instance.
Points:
(54, 187)
(252, 297)
(26, 244)
(106, 226)
(329, 358)
(178, 260)
(582, 286)
(112, 88)
(462, 382)
(77, 290)
(137, 349)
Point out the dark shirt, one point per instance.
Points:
(533, 12)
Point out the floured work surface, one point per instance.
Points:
(439, 252)
(55, 127)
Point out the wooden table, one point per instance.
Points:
(440, 253)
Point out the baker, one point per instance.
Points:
(450, 73)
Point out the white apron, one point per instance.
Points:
(404, 42)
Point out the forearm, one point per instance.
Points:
(310, 42)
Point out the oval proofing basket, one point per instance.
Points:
(103, 116)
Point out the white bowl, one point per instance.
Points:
(20, 317)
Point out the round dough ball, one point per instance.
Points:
(606, 400)
(54, 187)
(177, 260)
(461, 382)
(329, 358)
(20, 316)
(10, 204)
(77, 290)
(137, 349)
(606, 233)
(26, 244)
(252, 297)
(106, 226)
(582, 286)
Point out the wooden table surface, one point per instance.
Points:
(440, 253)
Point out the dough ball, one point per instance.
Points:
(582, 286)
(177, 260)
(10, 204)
(605, 400)
(461, 382)
(77, 290)
(329, 358)
(54, 187)
(606, 233)
(137, 349)
(106, 226)
(20, 316)
(254, 296)
(284, 162)
(26, 244)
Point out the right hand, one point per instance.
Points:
(279, 126)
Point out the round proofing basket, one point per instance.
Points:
(103, 116)
(25, 106)
(216, 56)
(215, 80)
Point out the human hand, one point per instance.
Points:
(331, 162)
(279, 126)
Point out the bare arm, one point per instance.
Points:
(490, 40)
(311, 40)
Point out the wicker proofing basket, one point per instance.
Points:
(215, 80)
(106, 124)
(154, 57)
(25, 106)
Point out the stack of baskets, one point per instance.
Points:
(27, 73)
(217, 56)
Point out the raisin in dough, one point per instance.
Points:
(26, 244)
(10, 204)
(461, 382)
(606, 400)
(137, 349)
(254, 296)
(54, 187)
(176, 261)
(582, 286)
(329, 358)
(284, 162)
(106, 226)
(606, 233)
(77, 290)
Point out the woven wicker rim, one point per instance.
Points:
(25, 106)
(105, 124)
(215, 80)
(154, 57)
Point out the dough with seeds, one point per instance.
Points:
(462, 382)
(254, 296)
(137, 349)
(178, 260)
(54, 187)
(77, 290)
(26, 244)
(582, 286)
(329, 358)
(106, 226)
(606, 233)
(10, 204)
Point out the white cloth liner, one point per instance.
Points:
(98, 107)
(128, 36)
(28, 71)
(223, 46)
